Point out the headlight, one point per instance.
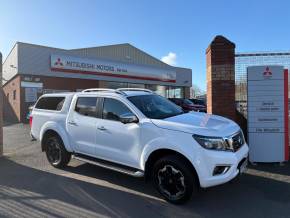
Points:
(212, 143)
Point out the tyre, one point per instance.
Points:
(174, 179)
(56, 153)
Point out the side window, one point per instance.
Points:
(177, 101)
(113, 109)
(60, 105)
(87, 106)
(50, 103)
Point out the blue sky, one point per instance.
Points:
(182, 27)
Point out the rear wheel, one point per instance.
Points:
(56, 153)
(174, 179)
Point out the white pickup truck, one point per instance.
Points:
(140, 133)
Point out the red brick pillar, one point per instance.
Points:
(220, 73)
(1, 108)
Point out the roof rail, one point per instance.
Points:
(104, 90)
(134, 89)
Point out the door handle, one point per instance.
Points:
(102, 128)
(73, 123)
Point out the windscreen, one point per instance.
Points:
(155, 106)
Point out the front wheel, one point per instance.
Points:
(56, 153)
(174, 179)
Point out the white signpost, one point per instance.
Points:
(268, 113)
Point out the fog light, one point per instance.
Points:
(219, 170)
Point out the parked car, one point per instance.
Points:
(142, 134)
(185, 104)
(199, 105)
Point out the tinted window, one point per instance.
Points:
(155, 106)
(50, 103)
(194, 101)
(176, 101)
(187, 102)
(113, 109)
(201, 102)
(197, 101)
(87, 106)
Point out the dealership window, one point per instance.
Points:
(136, 85)
(48, 91)
(50, 103)
(175, 92)
(165, 91)
(151, 87)
(116, 85)
(14, 95)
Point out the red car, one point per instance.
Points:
(199, 104)
(188, 105)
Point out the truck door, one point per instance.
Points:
(81, 125)
(115, 140)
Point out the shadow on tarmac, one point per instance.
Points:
(29, 192)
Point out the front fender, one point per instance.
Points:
(60, 131)
(158, 144)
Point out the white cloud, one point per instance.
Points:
(170, 59)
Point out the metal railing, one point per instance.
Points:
(120, 91)
(104, 90)
(135, 89)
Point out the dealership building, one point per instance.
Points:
(32, 70)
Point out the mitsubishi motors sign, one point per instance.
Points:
(99, 67)
(268, 113)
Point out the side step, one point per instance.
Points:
(109, 165)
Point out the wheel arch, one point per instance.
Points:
(162, 152)
(53, 129)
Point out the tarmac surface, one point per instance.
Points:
(30, 187)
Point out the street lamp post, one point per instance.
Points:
(1, 108)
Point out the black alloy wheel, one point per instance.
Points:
(174, 179)
(56, 153)
(53, 151)
(171, 182)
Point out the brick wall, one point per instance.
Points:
(220, 62)
(11, 110)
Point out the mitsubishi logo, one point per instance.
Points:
(267, 73)
(58, 62)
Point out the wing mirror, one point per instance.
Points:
(129, 118)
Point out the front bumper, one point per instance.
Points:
(210, 159)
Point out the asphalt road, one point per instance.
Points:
(30, 187)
